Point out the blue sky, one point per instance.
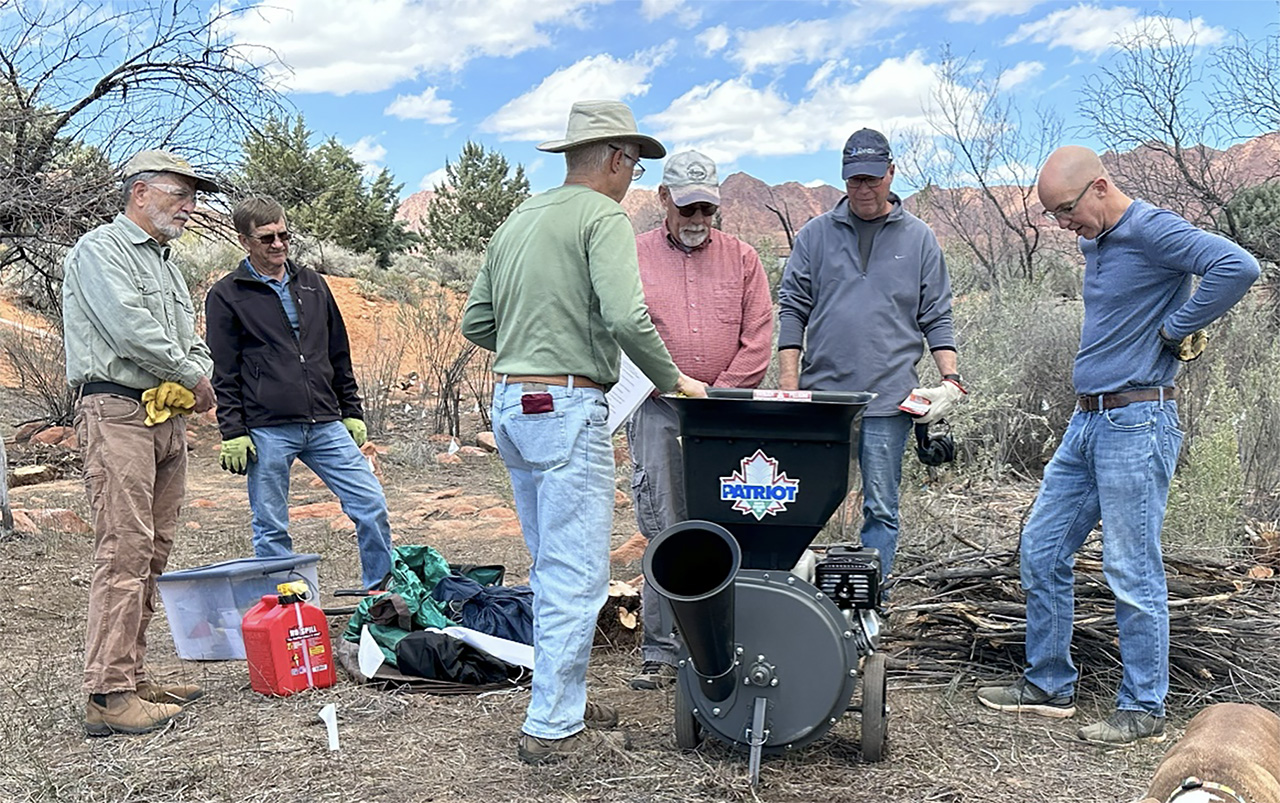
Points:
(772, 88)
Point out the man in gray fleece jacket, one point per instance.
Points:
(864, 288)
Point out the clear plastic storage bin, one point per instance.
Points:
(205, 604)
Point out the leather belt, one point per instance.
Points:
(560, 381)
(1110, 401)
(89, 388)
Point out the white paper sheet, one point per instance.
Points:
(513, 652)
(370, 654)
(632, 389)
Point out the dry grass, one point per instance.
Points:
(236, 745)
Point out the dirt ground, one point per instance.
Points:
(236, 745)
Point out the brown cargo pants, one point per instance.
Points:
(135, 477)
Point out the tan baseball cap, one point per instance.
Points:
(603, 121)
(690, 177)
(165, 162)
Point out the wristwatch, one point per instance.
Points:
(959, 380)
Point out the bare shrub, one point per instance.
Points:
(378, 374)
(34, 350)
(457, 270)
(433, 327)
(1017, 348)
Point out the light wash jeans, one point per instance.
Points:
(1115, 465)
(561, 466)
(657, 490)
(881, 443)
(329, 451)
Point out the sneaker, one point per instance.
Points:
(1025, 696)
(125, 712)
(1123, 728)
(533, 750)
(176, 694)
(598, 715)
(653, 676)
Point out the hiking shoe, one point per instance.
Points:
(598, 715)
(654, 675)
(1123, 728)
(125, 712)
(176, 694)
(1025, 696)
(533, 750)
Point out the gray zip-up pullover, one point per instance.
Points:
(862, 327)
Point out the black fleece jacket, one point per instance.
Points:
(265, 376)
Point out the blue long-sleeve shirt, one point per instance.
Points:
(1137, 278)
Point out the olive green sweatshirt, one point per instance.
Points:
(559, 293)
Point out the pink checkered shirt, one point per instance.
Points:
(711, 306)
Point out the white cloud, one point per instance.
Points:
(815, 183)
(1090, 29)
(713, 39)
(369, 153)
(540, 113)
(433, 179)
(1019, 73)
(730, 119)
(686, 15)
(809, 41)
(974, 11)
(423, 106)
(337, 47)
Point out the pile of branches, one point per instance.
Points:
(970, 619)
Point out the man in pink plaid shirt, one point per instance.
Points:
(709, 298)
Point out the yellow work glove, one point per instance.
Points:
(1189, 347)
(236, 454)
(359, 432)
(167, 400)
(941, 400)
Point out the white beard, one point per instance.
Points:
(693, 236)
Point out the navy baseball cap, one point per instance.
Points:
(866, 154)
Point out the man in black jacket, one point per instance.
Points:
(285, 387)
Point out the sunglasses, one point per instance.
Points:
(707, 210)
(268, 239)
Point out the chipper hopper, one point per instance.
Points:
(772, 657)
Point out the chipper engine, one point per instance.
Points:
(772, 656)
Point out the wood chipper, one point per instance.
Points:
(771, 659)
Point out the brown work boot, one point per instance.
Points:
(533, 750)
(177, 694)
(599, 715)
(125, 712)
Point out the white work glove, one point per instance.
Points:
(941, 400)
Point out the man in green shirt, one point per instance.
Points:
(128, 326)
(557, 297)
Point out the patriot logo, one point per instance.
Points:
(757, 489)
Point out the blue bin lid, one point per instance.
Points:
(241, 567)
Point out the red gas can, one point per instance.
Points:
(286, 642)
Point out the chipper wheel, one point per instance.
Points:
(688, 732)
(875, 713)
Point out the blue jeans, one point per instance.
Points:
(657, 489)
(881, 443)
(1115, 465)
(561, 466)
(329, 451)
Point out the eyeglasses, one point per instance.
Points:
(868, 181)
(181, 193)
(269, 239)
(637, 169)
(707, 210)
(1066, 209)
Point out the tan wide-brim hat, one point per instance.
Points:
(165, 162)
(603, 121)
